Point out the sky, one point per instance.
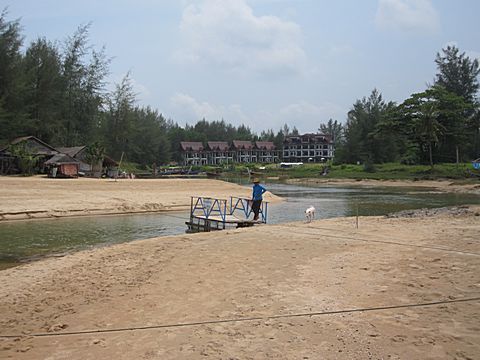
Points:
(261, 63)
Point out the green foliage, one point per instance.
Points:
(95, 153)
(58, 94)
(458, 73)
(369, 167)
(43, 91)
(11, 77)
(83, 88)
(26, 160)
(363, 141)
(334, 129)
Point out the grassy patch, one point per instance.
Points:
(388, 171)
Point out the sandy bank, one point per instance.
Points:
(40, 197)
(439, 185)
(396, 288)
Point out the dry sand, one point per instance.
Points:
(395, 288)
(40, 197)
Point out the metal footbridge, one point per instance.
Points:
(207, 214)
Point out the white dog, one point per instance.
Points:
(310, 214)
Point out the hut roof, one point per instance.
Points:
(35, 145)
(61, 159)
(76, 152)
(108, 161)
(242, 145)
(191, 145)
(71, 151)
(218, 145)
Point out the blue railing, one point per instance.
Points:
(244, 206)
(207, 207)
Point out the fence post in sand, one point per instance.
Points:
(356, 206)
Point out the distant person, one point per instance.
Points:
(257, 197)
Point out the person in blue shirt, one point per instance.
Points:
(257, 197)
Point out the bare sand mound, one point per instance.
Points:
(41, 197)
(396, 288)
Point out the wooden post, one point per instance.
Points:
(356, 205)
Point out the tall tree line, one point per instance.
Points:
(57, 92)
(440, 124)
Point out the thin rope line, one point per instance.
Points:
(384, 242)
(259, 318)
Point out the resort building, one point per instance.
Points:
(193, 153)
(244, 151)
(308, 148)
(220, 152)
(266, 152)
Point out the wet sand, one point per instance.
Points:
(437, 185)
(395, 288)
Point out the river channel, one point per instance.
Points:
(25, 241)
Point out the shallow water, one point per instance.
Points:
(346, 201)
(28, 240)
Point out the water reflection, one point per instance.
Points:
(343, 201)
(26, 240)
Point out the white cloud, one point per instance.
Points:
(341, 50)
(306, 117)
(407, 15)
(142, 92)
(227, 33)
(192, 110)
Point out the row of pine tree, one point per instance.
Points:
(58, 93)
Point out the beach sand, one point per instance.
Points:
(40, 197)
(405, 287)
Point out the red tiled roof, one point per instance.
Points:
(218, 145)
(242, 145)
(191, 145)
(265, 145)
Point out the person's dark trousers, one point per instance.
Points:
(256, 208)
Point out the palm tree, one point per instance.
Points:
(428, 127)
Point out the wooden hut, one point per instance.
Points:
(9, 163)
(62, 166)
(79, 153)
